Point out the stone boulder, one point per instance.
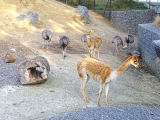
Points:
(83, 13)
(34, 71)
(31, 18)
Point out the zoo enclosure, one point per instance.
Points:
(107, 4)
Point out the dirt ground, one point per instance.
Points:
(28, 42)
(59, 18)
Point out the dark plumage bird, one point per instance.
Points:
(118, 41)
(64, 41)
(129, 39)
(46, 35)
(84, 40)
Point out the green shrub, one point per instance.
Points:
(117, 5)
(73, 2)
(156, 22)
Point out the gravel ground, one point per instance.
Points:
(121, 112)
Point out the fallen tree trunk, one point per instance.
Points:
(34, 71)
(10, 58)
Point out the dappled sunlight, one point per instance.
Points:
(27, 25)
(80, 27)
(74, 27)
(67, 11)
(56, 26)
(14, 13)
(78, 56)
(25, 44)
(58, 29)
(3, 32)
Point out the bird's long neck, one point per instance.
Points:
(124, 66)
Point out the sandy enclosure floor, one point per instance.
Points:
(61, 92)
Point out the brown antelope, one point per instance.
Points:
(102, 73)
(93, 44)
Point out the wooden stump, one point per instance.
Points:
(34, 71)
(10, 58)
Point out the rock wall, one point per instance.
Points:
(128, 20)
(147, 33)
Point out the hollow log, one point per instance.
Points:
(10, 58)
(34, 71)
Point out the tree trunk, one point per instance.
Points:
(34, 71)
(10, 58)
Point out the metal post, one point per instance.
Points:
(94, 4)
(110, 11)
(130, 4)
(84, 2)
(105, 8)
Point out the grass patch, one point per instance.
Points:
(156, 22)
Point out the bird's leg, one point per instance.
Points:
(65, 51)
(47, 45)
(128, 46)
(43, 44)
(63, 54)
(116, 47)
(84, 46)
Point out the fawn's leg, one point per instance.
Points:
(83, 90)
(83, 85)
(92, 54)
(107, 88)
(100, 93)
(98, 54)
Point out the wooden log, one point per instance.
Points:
(10, 58)
(34, 71)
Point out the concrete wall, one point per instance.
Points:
(128, 20)
(147, 33)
